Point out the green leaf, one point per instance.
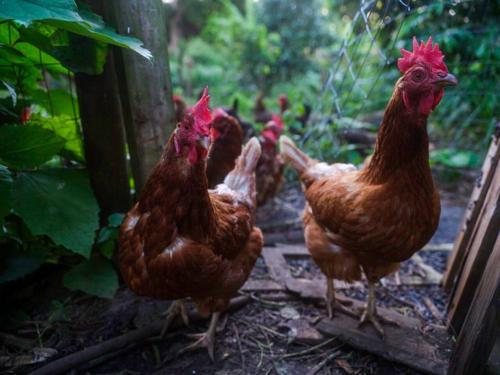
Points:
(5, 192)
(12, 93)
(27, 11)
(65, 127)
(115, 220)
(23, 146)
(61, 102)
(95, 28)
(456, 158)
(96, 277)
(38, 56)
(107, 248)
(16, 264)
(58, 203)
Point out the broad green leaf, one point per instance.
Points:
(5, 192)
(38, 56)
(96, 277)
(61, 102)
(65, 47)
(27, 11)
(58, 203)
(67, 128)
(23, 146)
(16, 264)
(95, 28)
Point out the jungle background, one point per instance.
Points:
(336, 56)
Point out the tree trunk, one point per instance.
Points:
(146, 89)
(104, 140)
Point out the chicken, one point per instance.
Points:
(248, 130)
(182, 240)
(227, 139)
(262, 115)
(373, 219)
(179, 107)
(269, 172)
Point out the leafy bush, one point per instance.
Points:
(48, 212)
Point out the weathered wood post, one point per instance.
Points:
(103, 134)
(145, 85)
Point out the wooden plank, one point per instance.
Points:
(145, 85)
(461, 247)
(421, 348)
(483, 240)
(432, 277)
(407, 344)
(478, 333)
(262, 286)
(290, 236)
(277, 266)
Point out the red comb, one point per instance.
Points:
(424, 53)
(201, 113)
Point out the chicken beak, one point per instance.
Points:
(446, 80)
(205, 141)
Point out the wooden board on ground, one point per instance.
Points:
(423, 348)
(275, 258)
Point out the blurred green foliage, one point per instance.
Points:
(342, 62)
(48, 212)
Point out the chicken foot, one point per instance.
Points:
(370, 314)
(205, 339)
(177, 307)
(334, 303)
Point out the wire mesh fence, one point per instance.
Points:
(363, 71)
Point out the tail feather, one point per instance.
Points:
(293, 156)
(242, 177)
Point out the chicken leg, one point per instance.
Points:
(333, 303)
(205, 339)
(177, 307)
(370, 314)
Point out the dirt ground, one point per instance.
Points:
(259, 338)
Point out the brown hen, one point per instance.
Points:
(377, 217)
(269, 171)
(181, 240)
(226, 141)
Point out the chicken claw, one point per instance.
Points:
(205, 339)
(335, 303)
(370, 314)
(176, 308)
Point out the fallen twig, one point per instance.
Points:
(309, 350)
(238, 340)
(432, 307)
(128, 340)
(323, 363)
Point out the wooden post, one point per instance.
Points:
(478, 333)
(103, 134)
(146, 88)
(462, 242)
(483, 239)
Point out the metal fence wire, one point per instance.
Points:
(357, 87)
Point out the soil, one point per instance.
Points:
(260, 338)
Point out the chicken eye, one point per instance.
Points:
(418, 75)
